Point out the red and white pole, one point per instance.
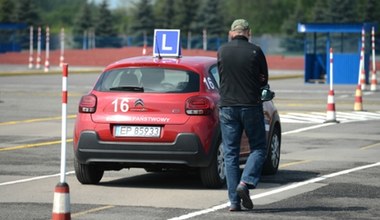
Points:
(331, 114)
(47, 65)
(93, 39)
(331, 69)
(64, 119)
(31, 47)
(373, 75)
(38, 59)
(358, 105)
(204, 39)
(189, 40)
(62, 58)
(145, 43)
(61, 205)
(362, 77)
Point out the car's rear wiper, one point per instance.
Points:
(128, 88)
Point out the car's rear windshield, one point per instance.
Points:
(159, 80)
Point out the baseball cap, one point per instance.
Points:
(240, 24)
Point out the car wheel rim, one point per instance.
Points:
(220, 161)
(275, 148)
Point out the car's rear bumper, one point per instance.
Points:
(185, 150)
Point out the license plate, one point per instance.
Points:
(137, 131)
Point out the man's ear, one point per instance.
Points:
(230, 33)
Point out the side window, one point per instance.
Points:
(212, 81)
(179, 81)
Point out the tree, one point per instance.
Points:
(7, 9)
(289, 27)
(83, 25)
(186, 12)
(121, 20)
(341, 11)
(215, 23)
(264, 16)
(137, 17)
(104, 22)
(59, 13)
(210, 18)
(27, 13)
(84, 19)
(319, 11)
(104, 28)
(164, 13)
(371, 11)
(143, 20)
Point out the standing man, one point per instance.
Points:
(243, 71)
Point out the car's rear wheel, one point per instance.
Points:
(273, 157)
(87, 173)
(214, 175)
(153, 170)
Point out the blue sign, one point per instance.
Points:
(166, 43)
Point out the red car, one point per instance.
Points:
(159, 114)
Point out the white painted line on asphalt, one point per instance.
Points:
(278, 190)
(307, 128)
(33, 178)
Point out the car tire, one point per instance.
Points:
(87, 174)
(273, 157)
(214, 175)
(153, 170)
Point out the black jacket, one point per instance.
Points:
(243, 71)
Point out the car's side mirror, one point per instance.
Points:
(266, 93)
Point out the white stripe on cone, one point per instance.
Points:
(61, 204)
(331, 114)
(358, 106)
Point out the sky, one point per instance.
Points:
(114, 3)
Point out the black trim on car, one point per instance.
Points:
(185, 150)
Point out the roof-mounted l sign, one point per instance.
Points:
(166, 43)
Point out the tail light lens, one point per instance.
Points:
(87, 104)
(198, 105)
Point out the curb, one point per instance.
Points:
(75, 70)
(285, 76)
(51, 72)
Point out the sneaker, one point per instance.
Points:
(234, 208)
(243, 191)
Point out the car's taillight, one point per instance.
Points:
(198, 105)
(87, 104)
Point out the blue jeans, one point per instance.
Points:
(233, 121)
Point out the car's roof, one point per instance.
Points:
(188, 62)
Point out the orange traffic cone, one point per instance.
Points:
(358, 99)
(331, 114)
(61, 205)
(373, 81)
